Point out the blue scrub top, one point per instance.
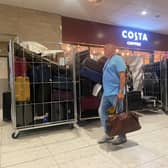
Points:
(111, 79)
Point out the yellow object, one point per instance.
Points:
(22, 88)
(111, 110)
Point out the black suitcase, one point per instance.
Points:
(92, 64)
(91, 74)
(102, 61)
(6, 106)
(135, 101)
(69, 111)
(58, 70)
(57, 112)
(62, 83)
(79, 57)
(86, 87)
(24, 115)
(40, 109)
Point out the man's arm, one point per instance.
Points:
(122, 85)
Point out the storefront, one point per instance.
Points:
(144, 53)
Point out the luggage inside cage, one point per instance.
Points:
(20, 66)
(22, 89)
(91, 74)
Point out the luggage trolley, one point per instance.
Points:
(43, 87)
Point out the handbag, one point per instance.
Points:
(122, 123)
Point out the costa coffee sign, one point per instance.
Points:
(134, 38)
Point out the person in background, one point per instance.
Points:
(113, 89)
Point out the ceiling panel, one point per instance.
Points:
(118, 12)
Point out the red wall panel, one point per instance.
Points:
(80, 31)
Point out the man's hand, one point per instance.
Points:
(120, 96)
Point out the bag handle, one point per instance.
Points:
(118, 103)
(126, 96)
(126, 101)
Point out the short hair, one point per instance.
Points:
(112, 46)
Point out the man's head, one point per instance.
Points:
(109, 50)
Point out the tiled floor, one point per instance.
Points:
(78, 148)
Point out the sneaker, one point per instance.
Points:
(105, 139)
(119, 140)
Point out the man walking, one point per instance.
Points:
(113, 89)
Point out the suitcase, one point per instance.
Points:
(135, 101)
(134, 96)
(89, 113)
(92, 64)
(43, 73)
(41, 96)
(151, 85)
(42, 93)
(24, 115)
(40, 73)
(20, 66)
(68, 110)
(28, 114)
(62, 83)
(86, 87)
(102, 61)
(40, 110)
(22, 89)
(61, 95)
(57, 112)
(91, 74)
(89, 103)
(6, 106)
(79, 57)
(58, 70)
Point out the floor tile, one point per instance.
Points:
(18, 144)
(46, 162)
(59, 136)
(21, 156)
(158, 163)
(9, 144)
(130, 156)
(68, 146)
(77, 154)
(94, 161)
(78, 148)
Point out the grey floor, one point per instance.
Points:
(78, 148)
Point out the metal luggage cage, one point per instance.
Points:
(154, 101)
(34, 125)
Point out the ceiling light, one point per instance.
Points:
(117, 50)
(95, 1)
(144, 12)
